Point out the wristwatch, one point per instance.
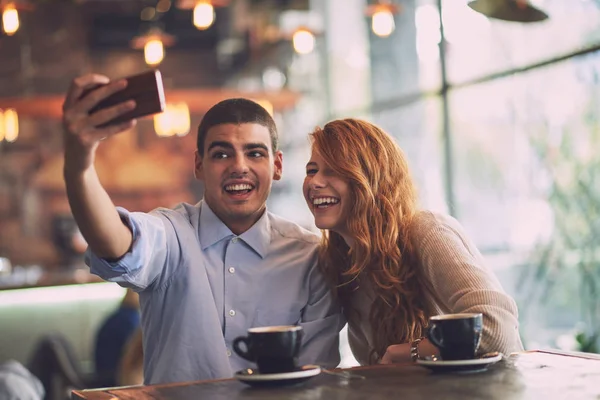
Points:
(414, 349)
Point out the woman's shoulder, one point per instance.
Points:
(434, 231)
(426, 221)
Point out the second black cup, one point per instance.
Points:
(456, 335)
(274, 349)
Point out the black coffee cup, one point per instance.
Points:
(456, 335)
(274, 349)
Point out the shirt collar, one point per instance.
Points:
(213, 230)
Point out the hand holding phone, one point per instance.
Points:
(146, 89)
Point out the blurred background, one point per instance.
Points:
(495, 102)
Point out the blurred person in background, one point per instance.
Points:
(18, 383)
(131, 365)
(205, 273)
(113, 335)
(392, 264)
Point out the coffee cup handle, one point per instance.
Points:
(245, 354)
(433, 338)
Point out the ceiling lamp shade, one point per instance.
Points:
(509, 10)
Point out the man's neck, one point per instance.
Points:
(239, 226)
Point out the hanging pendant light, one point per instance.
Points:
(153, 43)
(203, 15)
(303, 40)
(10, 19)
(174, 121)
(10, 14)
(9, 125)
(509, 10)
(382, 17)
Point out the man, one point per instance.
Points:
(205, 273)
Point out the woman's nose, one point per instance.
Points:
(317, 181)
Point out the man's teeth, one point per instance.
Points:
(325, 200)
(243, 186)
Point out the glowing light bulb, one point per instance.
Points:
(154, 52)
(303, 41)
(10, 20)
(1, 125)
(10, 125)
(175, 120)
(383, 23)
(181, 126)
(162, 123)
(204, 15)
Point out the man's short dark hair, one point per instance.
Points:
(236, 111)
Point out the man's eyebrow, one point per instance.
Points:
(253, 146)
(217, 143)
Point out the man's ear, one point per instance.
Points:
(198, 169)
(278, 162)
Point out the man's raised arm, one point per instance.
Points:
(92, 208)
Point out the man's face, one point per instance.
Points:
(238, 167)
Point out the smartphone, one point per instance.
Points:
(147, 91)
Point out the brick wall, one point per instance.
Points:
(140, 170)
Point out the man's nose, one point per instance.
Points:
(239, 165)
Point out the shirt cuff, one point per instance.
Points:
(116, 270)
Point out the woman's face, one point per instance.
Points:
(327, 195)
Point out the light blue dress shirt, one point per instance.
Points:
(201, 286)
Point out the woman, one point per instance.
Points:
(392, 265)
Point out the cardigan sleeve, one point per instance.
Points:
(463, 283)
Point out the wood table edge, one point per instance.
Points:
(106, 393)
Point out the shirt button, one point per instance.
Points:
(232, 312)
(234, 240)
(228, 353)
(231, 270)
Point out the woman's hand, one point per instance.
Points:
(396, 353)
(400, 353)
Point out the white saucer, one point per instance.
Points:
(254, 378)
(474, 365)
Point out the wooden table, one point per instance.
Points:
(527, 375)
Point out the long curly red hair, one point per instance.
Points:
(383, 203)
